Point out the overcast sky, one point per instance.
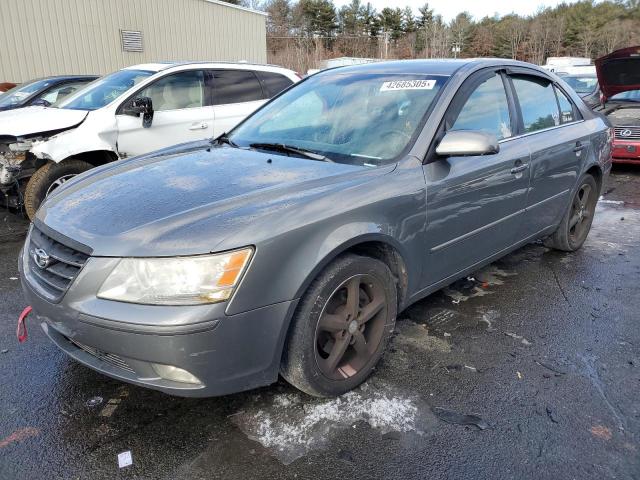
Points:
(478, 8)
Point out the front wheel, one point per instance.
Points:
(341, 327)
(47, 178)
(576, 223)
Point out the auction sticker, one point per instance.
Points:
(408, 85)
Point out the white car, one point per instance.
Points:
(130, 112)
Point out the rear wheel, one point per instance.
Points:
(47, 178)
(341, 327)
(576, 223)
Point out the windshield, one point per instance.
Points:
(362, 119)
(104, 90)
(630, 96)
(18, 94)
(582, 84)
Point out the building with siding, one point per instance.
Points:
(52, 37)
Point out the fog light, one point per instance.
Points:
(169, 372)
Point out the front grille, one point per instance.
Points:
(110, 358)
(627, 133)
(63, 265)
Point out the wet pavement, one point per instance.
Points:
(528, 369)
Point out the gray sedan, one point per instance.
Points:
(290, 245)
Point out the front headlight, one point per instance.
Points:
(176, 281)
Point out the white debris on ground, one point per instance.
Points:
(488, 317)
(483, 279)
(291, 424)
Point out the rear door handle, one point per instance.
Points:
(579, 147)
(199, 126)
(519, 168)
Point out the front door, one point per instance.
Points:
(181, 113)
(475, 204)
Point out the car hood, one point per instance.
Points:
(28, 121)
(619, 71)
(189, 202)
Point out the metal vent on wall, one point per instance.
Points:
(131, 40)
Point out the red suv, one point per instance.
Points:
(619, 78)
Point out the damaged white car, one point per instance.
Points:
(130, 112)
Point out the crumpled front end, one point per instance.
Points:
(15, 164)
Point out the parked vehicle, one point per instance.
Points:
(619, 78)
(585, 85)
(43, 91)
(130, 112)
(290, 244)
(570, 66)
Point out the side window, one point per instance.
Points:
(537, 102)
(273, 83)
(59, 92)
(177, 91)
(486, 109)
(235, 86)
(567, 112)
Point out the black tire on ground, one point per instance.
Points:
(334, 344)
(47, 178)
(576, 223)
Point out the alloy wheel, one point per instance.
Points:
(581, 213)
(351, 327)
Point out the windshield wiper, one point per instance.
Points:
(281, 147)
(224, 138)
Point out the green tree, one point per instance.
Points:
(391, 21)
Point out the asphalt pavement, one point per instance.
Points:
(529, 369)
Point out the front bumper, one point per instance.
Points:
(227, 353)
(626, 152)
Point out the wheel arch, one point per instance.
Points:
(595, 170)
(96, 158)
(375, 245)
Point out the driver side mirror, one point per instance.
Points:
(141, 105)
(460, 143)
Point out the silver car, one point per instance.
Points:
(289, 245)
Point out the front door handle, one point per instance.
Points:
(519, 168)
(199, 126)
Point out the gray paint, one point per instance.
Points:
(444, 217)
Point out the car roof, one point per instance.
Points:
(160, 66)
(440, 66)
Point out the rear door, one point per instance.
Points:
(236, 94)
(476, 204)
(551, 126)
(181, 113)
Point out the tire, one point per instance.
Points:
(43, 181)
(325, 324)
(576, 222)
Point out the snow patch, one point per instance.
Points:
(290, 424)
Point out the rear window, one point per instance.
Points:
(567, 111)
(583, 85)
(273, 83)
(537, 102)
(235, 86)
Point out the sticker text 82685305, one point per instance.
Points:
(408, 85)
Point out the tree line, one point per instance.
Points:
(301, 34)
